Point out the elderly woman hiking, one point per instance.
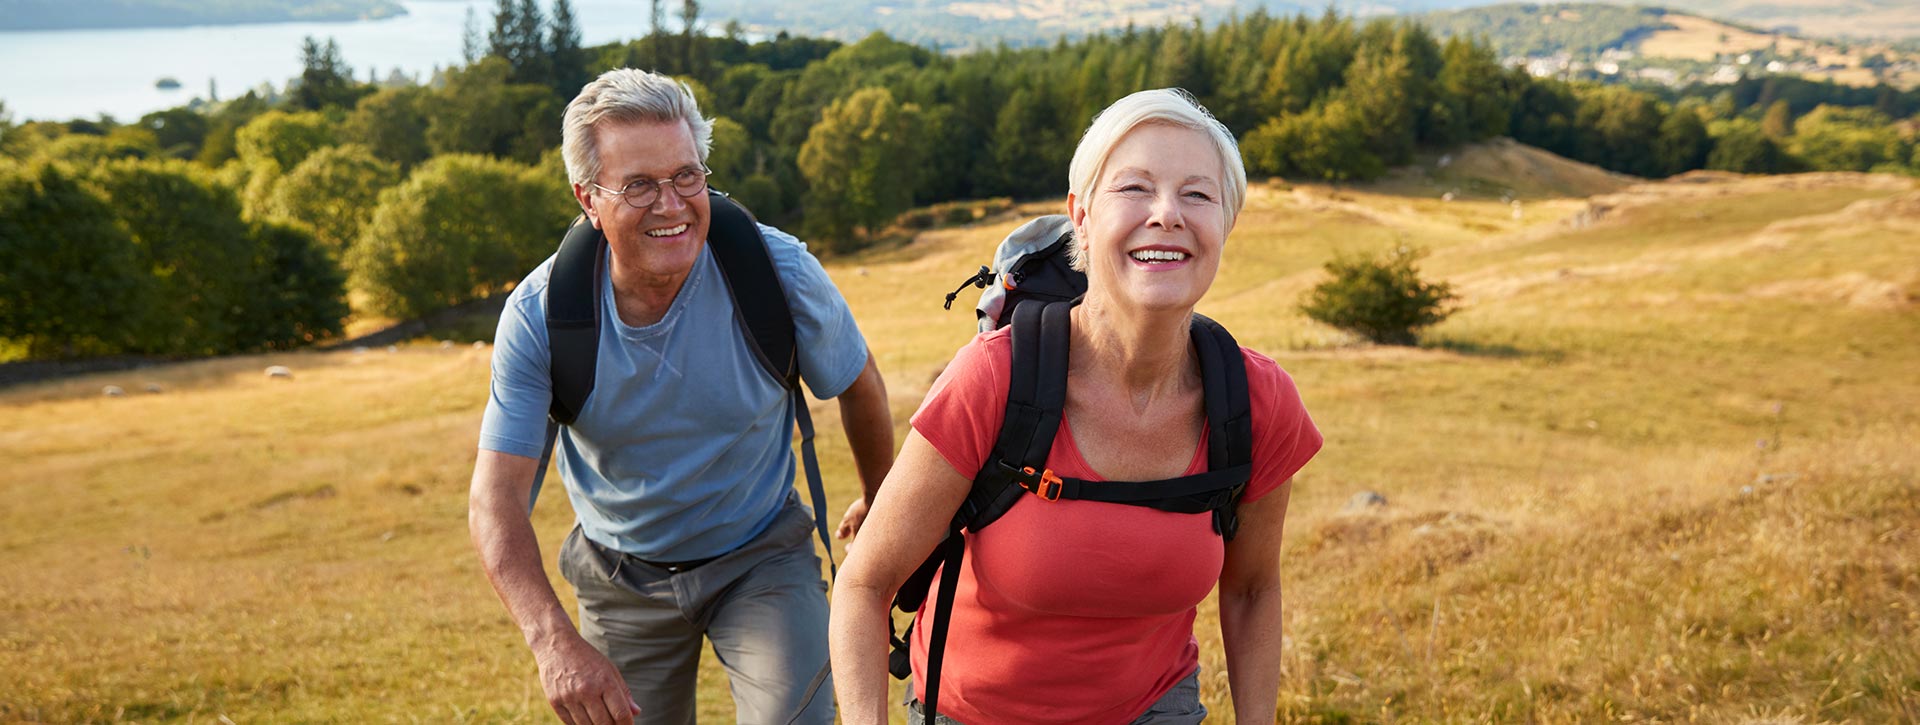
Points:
(1082, 610)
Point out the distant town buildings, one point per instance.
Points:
(1623, 65)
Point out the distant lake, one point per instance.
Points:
(59, 75)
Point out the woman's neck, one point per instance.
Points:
(1148, 354)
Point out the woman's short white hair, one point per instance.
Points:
(1164, 106)
(626, 95)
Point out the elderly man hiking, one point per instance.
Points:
(678, 398)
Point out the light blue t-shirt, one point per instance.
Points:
(684, 450)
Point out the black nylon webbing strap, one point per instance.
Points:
(573, 318)
(747, 268)
(1223, 373)
(573, 333)
(764, 318)
(1186, 494)
(952, 551)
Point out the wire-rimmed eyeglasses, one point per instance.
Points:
(642, 193)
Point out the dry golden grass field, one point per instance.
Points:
(1664, 465)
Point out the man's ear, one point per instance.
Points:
(583, 195)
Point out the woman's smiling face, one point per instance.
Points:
(1154, 227)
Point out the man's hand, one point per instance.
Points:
(855, 516)
(582, 685)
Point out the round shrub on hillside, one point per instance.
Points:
(283, 138)
(331, 192)
(459, 228)
(1380, 298)
(70, 277)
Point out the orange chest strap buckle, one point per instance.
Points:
(1042, 483)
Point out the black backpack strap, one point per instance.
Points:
(747, 269)
(760, 302)
(573, 318)
(1036, 397)
(1229, 407)
(573, 332)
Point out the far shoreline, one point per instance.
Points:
(377, 11)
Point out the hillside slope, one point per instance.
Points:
(1659, 467)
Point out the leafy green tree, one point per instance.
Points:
(1380, 298)
(325, 78)
(301, 294)
(223, 126)
(1739, 145)
(283, 138)
(1470, 82)
(391, 123)
(1831, 138)
(479, 112)
(760, 194)
(691, 62)
(874, 61)
(1311, 62)
(85, 149)
(516, 38)
(862, 162)
(1028, 152)
(456, 230)
(1543, 116)
(1178, 63)
(563, 46)
(1378, 87)
(332, 192)
(71, 282)
(1778, 122)
(190, 234)
(1683, 143)
(1615, 126)
(472, 47)
(732, 158)
(1326, 143)
(539, 130)
(178, 131)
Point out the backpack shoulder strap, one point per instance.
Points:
(747, 268)
(573, 319)
(573, 333)
(1229, 409)
(1036, 397)
(760, 304)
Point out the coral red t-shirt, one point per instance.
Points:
(1080, 611)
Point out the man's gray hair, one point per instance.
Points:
(626, 95)
(1165, 106)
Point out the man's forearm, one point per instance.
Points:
(869, 425)
(510, 552)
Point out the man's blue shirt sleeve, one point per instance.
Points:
(521, 389)
(832, 350)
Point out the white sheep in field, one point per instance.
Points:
(280, 372)
(113, 391)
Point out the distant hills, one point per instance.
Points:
(972, 23)
(967, 24)
(73, 15)
(1602, 41)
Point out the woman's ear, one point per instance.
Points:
(1078, 216)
